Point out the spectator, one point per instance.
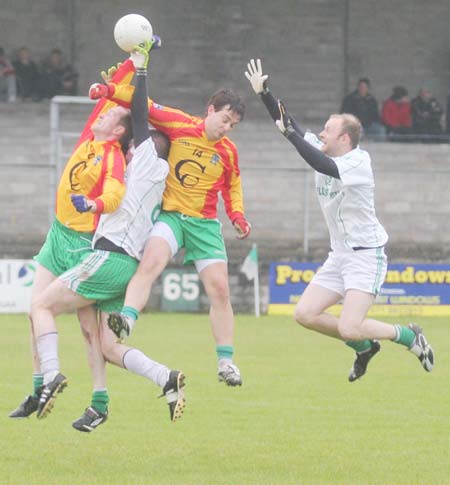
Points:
(448, 116)
(396, 114)
(7, 79)
(57, 77)
(27, 76)
(364, 106)
(426, 116)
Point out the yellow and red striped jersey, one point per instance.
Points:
(95, 169)
(199, 168)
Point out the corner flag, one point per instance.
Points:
(250, 269)
(250, 264)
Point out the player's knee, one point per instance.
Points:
(304, 317)
(36, 306)
(218, 288)
(349, 330)
(150, 268)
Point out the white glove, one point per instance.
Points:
(255, 76)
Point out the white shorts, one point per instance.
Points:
(163, 230)
(363, 270)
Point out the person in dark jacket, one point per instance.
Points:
(57, 77)
(426, 117)
(447, 126)
(362, 104)
(27, 76)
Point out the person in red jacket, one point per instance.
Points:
(396, 114)
(7, 79)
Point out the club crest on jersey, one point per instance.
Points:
(157, 106)
(215, 159)
(98, 159)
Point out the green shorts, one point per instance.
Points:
(102, 276)
(64, 248)
(201, 238)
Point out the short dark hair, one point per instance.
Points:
(364, 80)
(127, 135)
(162, 143)
(399, 92)
(225, 97)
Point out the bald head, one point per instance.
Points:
(351, 126)
(340, 135)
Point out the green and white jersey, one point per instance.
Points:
(129, 227)
(348, 204)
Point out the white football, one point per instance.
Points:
(132, 30)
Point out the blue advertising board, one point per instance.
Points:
(409, 289)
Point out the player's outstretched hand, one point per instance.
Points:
(242, 226)
(81, 203)
(140, 53)
(284, 123)
(98, 90)
(108, 74)
(254, 74)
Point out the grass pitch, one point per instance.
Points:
(295, 420)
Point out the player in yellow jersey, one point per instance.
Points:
(92, 183)
(203, 162)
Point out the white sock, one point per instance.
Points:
(225, 361)
(136, 361)
(47, 347)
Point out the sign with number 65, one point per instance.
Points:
(180, 290)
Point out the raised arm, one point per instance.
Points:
(312, 156)
(139, 104)
(258, 80)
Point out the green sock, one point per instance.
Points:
(38, 381)
(225, 352)
(131, 312)
(405, 336)
(100, 400)
(358, 345)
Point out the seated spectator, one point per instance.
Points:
(57, 77)
(426, 116)
(27, 76)
(448, 116)
(7, 79)
(396, 114)
(364, 106)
